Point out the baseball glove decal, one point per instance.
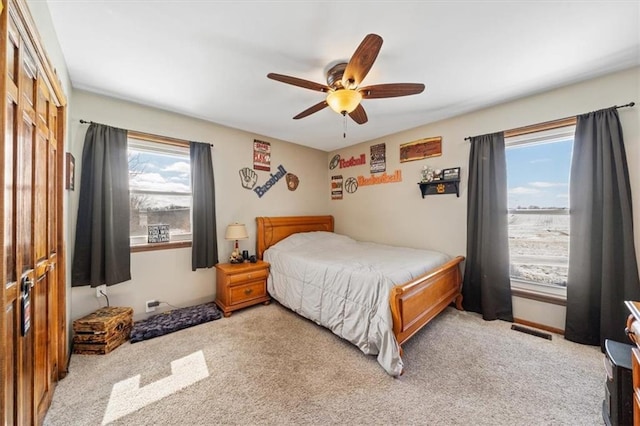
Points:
(248, 178)
(292, 181)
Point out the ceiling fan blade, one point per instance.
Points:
(317, 107)
(362, 61)
(358, 115)
(391, 90)
(299, 82)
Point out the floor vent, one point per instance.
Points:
(531, 331)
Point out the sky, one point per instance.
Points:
(160, 172)
(538, 175)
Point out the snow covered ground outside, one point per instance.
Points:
(539, 247)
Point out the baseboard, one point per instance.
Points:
(538, 326)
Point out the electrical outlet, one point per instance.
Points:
(101, 288)
(151, 305)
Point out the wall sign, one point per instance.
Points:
(249, 179)
(423, 148)
(378, 162)
(353, 161)
(261, 190)
(261, 155)
(336, 187)
(384, 178)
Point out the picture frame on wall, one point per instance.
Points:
(70, 176)
(420, 149)
(451, 174)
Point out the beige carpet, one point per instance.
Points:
(266, 365)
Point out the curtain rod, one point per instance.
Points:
(630, 104)
(156, 138)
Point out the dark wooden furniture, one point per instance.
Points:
(617, 407)
(103, 330)
(239, 285)
(413, 304)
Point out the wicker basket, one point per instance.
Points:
(102, 331)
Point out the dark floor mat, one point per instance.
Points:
(170, 321)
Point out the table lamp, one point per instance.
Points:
(236, 231)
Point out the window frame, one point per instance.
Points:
(545, 134)
(163, 145)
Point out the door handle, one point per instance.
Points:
(26, 284)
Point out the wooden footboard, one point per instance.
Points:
(415, 303)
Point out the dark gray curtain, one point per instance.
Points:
(102, 249)
(487, 288)
(603, 270)
(204, 249)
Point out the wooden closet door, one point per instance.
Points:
(11, 306)
(43, 296)
(33, 353)
(25, 232)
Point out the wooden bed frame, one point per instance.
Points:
(413, 304)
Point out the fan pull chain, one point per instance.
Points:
(344, 125)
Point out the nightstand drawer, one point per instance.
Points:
(242, 293)
(248, 276)
(241, 285)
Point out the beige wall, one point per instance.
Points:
(166, 275)
(42, 18)
(395, 213)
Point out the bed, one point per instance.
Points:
(377, 317)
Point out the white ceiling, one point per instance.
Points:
(209, 59)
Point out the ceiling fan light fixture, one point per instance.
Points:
(344, 100)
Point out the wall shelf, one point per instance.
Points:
(449, 186)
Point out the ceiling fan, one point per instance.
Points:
(343, 84)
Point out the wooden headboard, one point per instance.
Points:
(273, 229)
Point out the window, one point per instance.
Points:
(538, 168)
(159, 189)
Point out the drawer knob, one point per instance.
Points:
(248, 291)
(249, 276)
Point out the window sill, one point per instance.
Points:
(160, 246)
(540, 293)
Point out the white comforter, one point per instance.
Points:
(344, 285)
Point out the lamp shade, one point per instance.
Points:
(236, 231)
(344, 100)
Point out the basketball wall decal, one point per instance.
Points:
(351, 185)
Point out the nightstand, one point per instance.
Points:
(240, 285)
